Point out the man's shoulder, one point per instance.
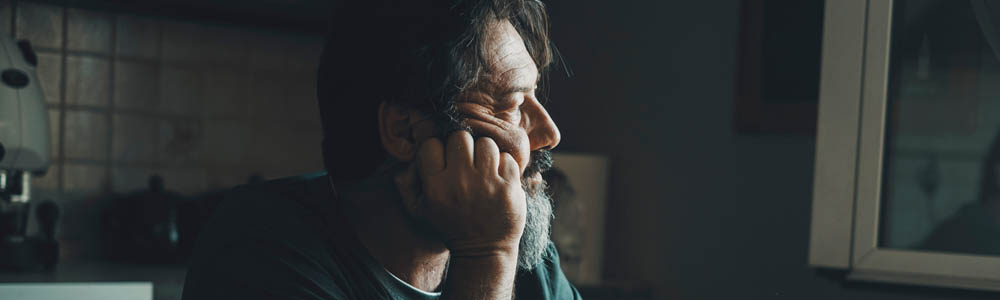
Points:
(267, 237)
(286, 208)
(285, 187)
(274, 199)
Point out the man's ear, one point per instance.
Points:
(394, 130)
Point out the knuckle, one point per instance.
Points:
(508, 161)
(460, 135)
(485, 140)
(485, 144)
(461, 139)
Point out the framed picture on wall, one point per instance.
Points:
(578, 186)
(777, 77)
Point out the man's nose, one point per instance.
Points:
(542, 131)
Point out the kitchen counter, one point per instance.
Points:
(168, 280)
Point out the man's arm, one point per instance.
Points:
(481, 277)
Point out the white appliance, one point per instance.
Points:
(24, 151)
(24, 122)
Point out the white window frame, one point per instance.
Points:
(849, 153)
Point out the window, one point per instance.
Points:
(908, 143)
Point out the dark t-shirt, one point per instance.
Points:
(286, 239)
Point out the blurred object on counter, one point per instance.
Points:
(151, 226)
(24, 151)
(21, 252)
(157, 225)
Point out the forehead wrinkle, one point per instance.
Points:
(514, 79)
(509, 64)
(517, 72)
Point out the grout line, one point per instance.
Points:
(13, 17)
(284, 122)
(62, 103)
(185, 64)
(157, 166)
(157, 102)
(111, 100)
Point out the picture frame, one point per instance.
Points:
(777, 77)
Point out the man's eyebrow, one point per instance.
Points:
(518, 89)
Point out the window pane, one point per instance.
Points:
(942, 151)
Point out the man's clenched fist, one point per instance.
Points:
(472, 195)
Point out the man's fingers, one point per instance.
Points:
(487, 155)
(459, 150)
(508, 139)
(509, 170)
(430, 157)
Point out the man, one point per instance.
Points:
(434, 143)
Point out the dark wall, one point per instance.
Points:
(695, 210)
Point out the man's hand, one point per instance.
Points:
(473, 195)
(473, 198)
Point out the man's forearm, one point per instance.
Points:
(481, 277)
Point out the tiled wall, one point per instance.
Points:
(204, 105)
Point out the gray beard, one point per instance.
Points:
(538, 222)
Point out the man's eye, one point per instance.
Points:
(510, 104)
(507, 108)
(509, 111)
(513, 116)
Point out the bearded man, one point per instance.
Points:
(434, 141)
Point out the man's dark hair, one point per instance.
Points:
(417, 54)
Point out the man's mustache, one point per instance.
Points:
(541, 161)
